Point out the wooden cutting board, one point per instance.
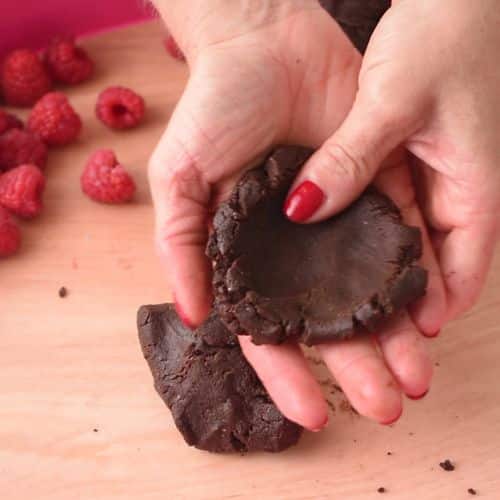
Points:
(79, 418)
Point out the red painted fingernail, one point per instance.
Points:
(182, 315)
(415, 398)
(303, 202)
(322, 426)
(432, 335)
(389, 422)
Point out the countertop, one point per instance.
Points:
(79, 418)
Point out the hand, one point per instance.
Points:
(430, 80)
(256, 86)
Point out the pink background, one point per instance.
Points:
(30, 23)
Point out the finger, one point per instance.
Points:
(406, 356)
(429, 313)
(286, 375)
(465, 258)
(365, 379)
(181, 233)
(181, 196)
(342, 168)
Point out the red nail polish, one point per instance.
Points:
(303, 202)
(415, 398)
(389, 422)
(183, 317)
(432, 335)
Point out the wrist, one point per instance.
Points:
(206, 22)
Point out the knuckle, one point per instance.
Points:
(173, 233)
(381, 108)
(343, 161)
(179, 180)
(376, 91)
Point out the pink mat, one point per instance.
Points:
(29, 23)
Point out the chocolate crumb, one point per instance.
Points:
(331, 405)
(315, 361)
(381, 490)
(472, 491)
(447, 465)
(348, 408)
(63, 291)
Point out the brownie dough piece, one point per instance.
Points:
(215, 397)
(358, 18)
(276, 280)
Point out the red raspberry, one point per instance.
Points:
(20, 146)
(24, 78)
(119, 107)
(10, 236)
(66, 62)
(54, 121)
(105, 180)
(173, 48)
(8, 121)
(21, 190)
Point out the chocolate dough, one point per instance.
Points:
(277, 280)
(215, 397)
(358, 18)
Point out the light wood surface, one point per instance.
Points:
(69, 366)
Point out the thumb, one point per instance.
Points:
(213, 131)
(346, 163)
(181, 196)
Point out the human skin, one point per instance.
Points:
(269, 72)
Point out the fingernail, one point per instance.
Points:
(415, 398)
(183, 316)
(322, 426)
(389, 422)
(432, 335)
(303, 202)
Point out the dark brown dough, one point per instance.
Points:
(276, 280)
(358, 18)
(215, 397)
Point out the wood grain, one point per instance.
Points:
(79, 417)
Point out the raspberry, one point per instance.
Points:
(20, 146)
(66, 62)
(8, 121)
(10, 236)
(24, 78)
(54, 121)
(105, 180)
(119, 107)
(173, 49)
(21, 190)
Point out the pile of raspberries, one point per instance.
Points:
(27, 79)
